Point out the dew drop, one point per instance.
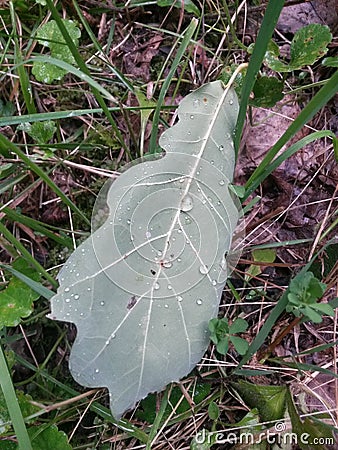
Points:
(102, 303)
(156, 286)
(199, 301)
(67, 300)
(187, 203)
(204, 269)
(191, 116)
(166, 306)
(179, 260)
(128, 221)
(67, 289)
(221, 148)
(167, 264)
(214, 282)
(169, 287)
(179, 298)
(222, 182)
(231, 102)
(89, 289)
(97, 370)
(148, 234)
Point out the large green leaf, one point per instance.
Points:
(143, 288)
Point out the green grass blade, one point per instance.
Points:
(180, 52)
(8, 184)
(6, 145)
(55, 115)
(37, 287)
(258, 179)
(270, 19)
(37, 226)
(158, 418)
(98, 47)
(85, 72)
(314, 105)
(25, 253)
(18, 59)
(13, 405)
(46, 59)
(96, 407)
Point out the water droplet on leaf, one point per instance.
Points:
(167, 264)
(204, 269)
(187, 203)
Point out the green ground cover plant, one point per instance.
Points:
(86, 89)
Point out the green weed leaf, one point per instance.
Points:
(267, 91)
(143, 288)
(213, 411)
(309, 430)
(50, 437)
(16, 300)
(238, 326)
(221, 333)
(41, 132)
(269, 400)
(304, 291)
(50, 36)
(26, 407)
(241, 345)
(309, 44)
(266, 255)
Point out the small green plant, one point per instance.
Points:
(307, 46)
(16, 300)
(305, 290)
(49, 35)
(40, 132)
(221, 334)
